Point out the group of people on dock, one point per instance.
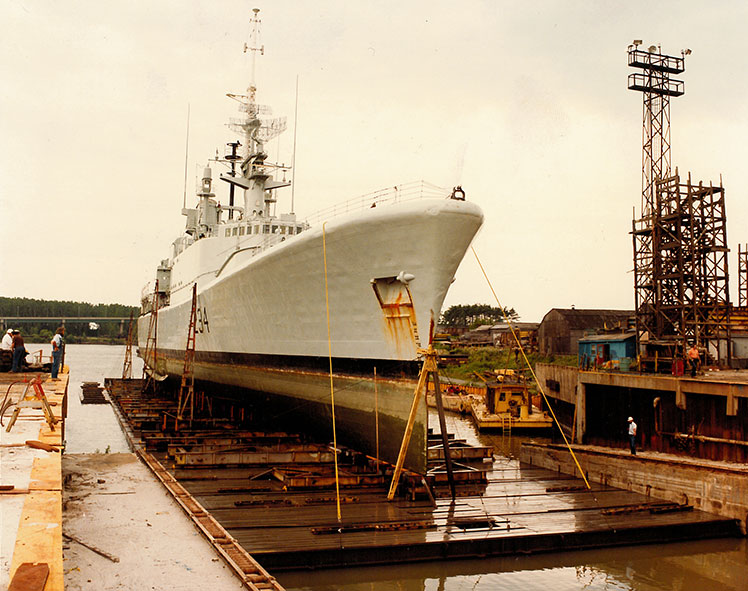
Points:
(13, 341)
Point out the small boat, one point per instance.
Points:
(508, 405)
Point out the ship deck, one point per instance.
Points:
(284, 514)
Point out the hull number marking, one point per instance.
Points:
(202, 320)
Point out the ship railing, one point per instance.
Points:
(387, 196)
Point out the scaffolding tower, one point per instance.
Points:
(681, 291)
(743, 275)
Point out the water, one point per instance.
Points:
(697, 566)
(92, 428)
(686, 566)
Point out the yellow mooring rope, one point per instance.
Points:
(532, 371)
(332, 390)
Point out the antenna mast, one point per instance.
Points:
(254, 49)
(293, 158)
(186, 154)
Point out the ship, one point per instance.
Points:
(285, 307)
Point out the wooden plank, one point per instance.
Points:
(30, 577)
(46, 473)
(39, 536)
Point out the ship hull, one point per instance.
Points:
(292, 396)
(262, 319)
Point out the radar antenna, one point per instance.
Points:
(257, 132)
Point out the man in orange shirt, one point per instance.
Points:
(693, 359)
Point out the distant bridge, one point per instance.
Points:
(11, 321)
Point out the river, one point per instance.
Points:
(687, 566)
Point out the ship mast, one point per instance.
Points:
(256, 174)
(254, 49)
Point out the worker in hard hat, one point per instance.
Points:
(632, 435)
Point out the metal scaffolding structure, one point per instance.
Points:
(742, 275)
(681, 287)
(684, 279)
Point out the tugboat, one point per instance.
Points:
(508, 405)
(381, 264)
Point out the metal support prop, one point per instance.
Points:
(442, 424)
(187, 389)
(429, 369)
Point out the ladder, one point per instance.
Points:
(506, 424)
(187, 389)
(34, 399)
(149, 384)
(127, 367)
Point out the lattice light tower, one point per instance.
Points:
(680, 241)
(656, 86)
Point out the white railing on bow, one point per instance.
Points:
(387, 196)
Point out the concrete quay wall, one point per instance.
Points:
(714, 487)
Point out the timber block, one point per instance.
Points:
(30, 577)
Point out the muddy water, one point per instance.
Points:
(698, 566)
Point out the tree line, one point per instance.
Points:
(74, 331)
(472, 315)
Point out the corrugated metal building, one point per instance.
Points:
(560, 330)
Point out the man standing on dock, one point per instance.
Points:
(7, 343)
(693, 359)
(19, 351)
(632, 436)
(57, 344)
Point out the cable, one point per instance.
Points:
(332, 390)
(532, 371)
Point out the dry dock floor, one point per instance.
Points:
(285, 514)
(517, 512)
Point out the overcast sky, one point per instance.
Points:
(525, 104)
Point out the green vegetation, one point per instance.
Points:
(108, 332)
(482, 359)
(472, 315)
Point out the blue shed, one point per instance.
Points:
(607, 350)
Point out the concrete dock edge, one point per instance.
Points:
(720, 488)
